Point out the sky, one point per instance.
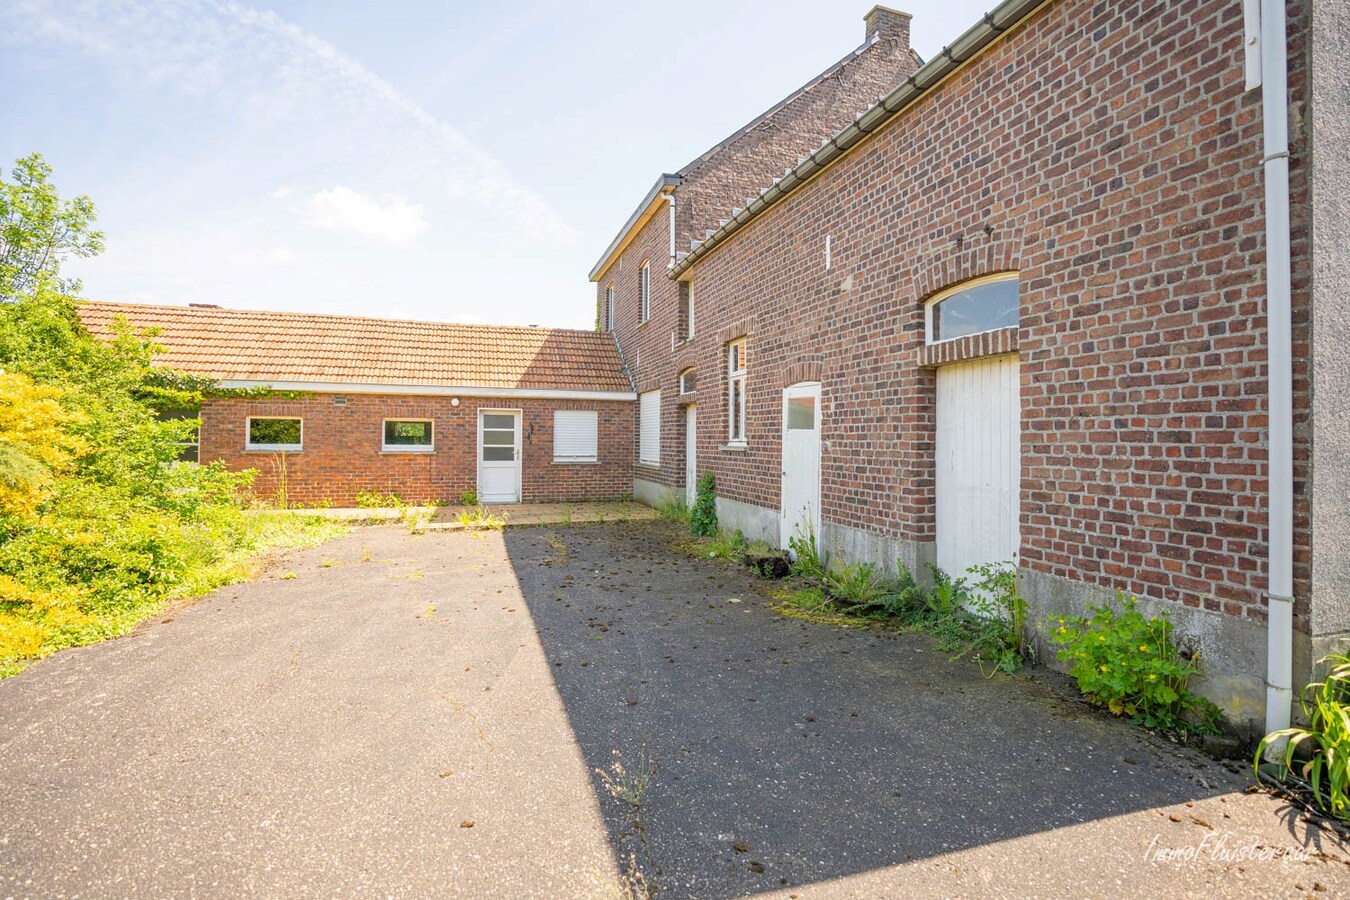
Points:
(439, 160)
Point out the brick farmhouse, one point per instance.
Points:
(1070, 294)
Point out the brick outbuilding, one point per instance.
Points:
(424, 410)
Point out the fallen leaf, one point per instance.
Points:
(467, 823)
(756, 867)
(447, 773)
(741, 847)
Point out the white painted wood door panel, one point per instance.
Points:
(799, 504)
(978, 463)
(499, 456)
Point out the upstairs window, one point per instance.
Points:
(274, 433)
(645, 291)
(607, 314)
(408, 436)
(687, 384)
(736, 392)
(985, 304)
(687, 309)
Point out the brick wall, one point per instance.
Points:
(709, 190)
(342, 452)
(1109, 153)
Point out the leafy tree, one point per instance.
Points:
(38, 230)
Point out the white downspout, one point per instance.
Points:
(1280, 387)
(670, 204)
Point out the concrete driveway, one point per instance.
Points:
(423, 715)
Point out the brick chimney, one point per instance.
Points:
(889, 25)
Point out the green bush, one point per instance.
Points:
(703, 517)
(1326, 738)
(1130, 665)
(101, 534)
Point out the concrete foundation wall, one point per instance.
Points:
(755, 522)
(848, 544)
(653, 494)
(1232, 650)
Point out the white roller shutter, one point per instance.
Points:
(575, 435)
(649, 417)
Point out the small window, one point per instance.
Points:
(687, 381)
(645, 291)
(687, 308)
(575, 435)
(408, 436)
(985, 304)
(608, 319)
(801, 413)
(736, 392)
(649, 428)
(274, 433)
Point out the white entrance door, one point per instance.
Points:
(499, 456)
(978, 463)
(690, 455)
(799, 509)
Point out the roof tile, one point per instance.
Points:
(244, 345)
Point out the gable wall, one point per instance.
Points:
(1109, 153)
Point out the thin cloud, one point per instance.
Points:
(263, 68)
(390, 218)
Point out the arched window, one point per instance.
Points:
(687, 381)
(984, 304)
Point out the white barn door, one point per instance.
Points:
(799, 508)
(978, 463)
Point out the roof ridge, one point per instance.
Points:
(791, 97)
(215, 310)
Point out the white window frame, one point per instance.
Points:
(283, 448)
(594, 418)
(684, 391)
(931, 305)
(406, 448)
(645, 291)
(649, 456)
(609, 307)
(736, 378)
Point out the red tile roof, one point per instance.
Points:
(243, 345)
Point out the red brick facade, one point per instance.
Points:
(342, 448)
(1110, 154)
(710, 188)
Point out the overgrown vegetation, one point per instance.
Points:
(100, 524)
(673, 509)
(703, 515)
(379, 500)
(480, 518)
(1324, 741)
(1129, 664)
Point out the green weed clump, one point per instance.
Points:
(379, 500)
(703, 515)
(1129, 664)
(1325, 740)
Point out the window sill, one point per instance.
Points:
(401, 451)
(576, 462)
(735, 447)
(643, 323)
(287, 448)
(655, 467)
